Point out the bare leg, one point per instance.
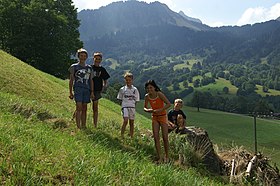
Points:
(78, 114)
(95, 113)
(180, 121)
(131, 125)
(125, 120)
(84, 115)
(156, 128)
(164, 129)
(74, 115)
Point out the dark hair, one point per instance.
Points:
(153, 83)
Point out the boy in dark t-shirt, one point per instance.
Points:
(176, 117)
(100, 79)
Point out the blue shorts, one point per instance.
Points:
(82, 95)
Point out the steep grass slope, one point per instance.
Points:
(40, 145)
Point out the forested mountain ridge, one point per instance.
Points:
(153, 29)
(120, 16)
(182, 59)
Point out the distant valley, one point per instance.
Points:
(184, 56)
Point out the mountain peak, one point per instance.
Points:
(190, 18)
(125, 15)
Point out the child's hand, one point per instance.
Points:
(92, 95)
(157, 110)
(71, 96)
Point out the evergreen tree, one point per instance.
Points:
(43, 33)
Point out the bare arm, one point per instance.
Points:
(71, 86)
(146, 109)
(105, 84)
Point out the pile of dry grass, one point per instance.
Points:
(242, 166)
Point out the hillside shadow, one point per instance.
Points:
(132, 146)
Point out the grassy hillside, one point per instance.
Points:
(215, 89)
(40, 145)
(230, 130)
(271, 92)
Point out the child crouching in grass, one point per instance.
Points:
(177, 118)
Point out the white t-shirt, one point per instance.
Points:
(129, 96)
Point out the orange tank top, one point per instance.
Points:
(157, 103)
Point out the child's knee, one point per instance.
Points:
(79, 108)
(180, 120)
(95, 107)
(180, 116)
(84, 108)
(131, 124)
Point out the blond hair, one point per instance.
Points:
(82, 50)
(178, 101)
(97, 54)
(128, 74)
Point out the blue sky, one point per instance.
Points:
(211, 12)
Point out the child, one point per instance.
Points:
(100, 77)
(129, 95)
(81, 81)
(158, 103)
(176, 117)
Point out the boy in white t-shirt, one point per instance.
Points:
(129, 95)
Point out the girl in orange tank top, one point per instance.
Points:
(158, 105)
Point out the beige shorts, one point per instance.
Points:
(128, 113)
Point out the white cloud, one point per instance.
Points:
(259, 14)
(215, 24)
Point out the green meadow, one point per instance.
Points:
(271, 92)
(40, 145)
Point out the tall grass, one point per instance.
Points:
(34, 153)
